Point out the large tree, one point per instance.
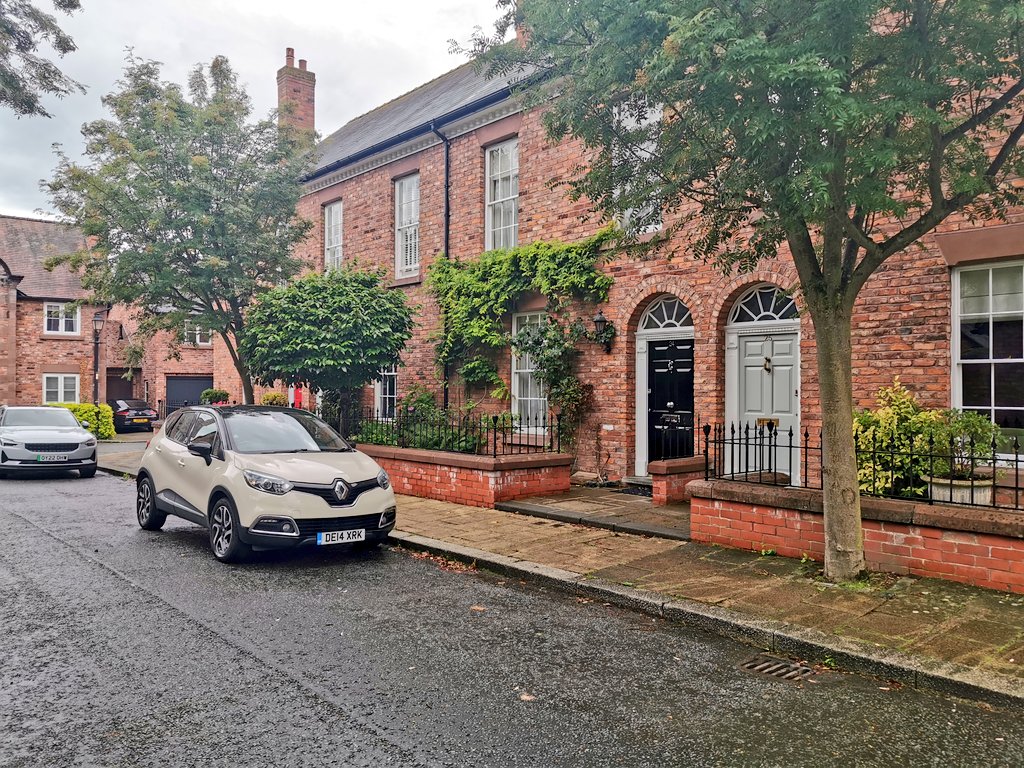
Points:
(333, 331)
(25, 75)
(189, 206)
(841, 131)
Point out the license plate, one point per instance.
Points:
(52, 457)
(141, 421)
(341, 537)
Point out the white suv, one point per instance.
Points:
(262, 477)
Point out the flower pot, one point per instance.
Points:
(977, 492)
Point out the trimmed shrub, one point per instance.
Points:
(100, 418)
(211, 396)
(274, 398)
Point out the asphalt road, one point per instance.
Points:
(120, 647)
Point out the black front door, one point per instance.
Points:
(669, 399)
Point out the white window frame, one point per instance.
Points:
(194, 336)
(62, 319)
(62, 387)
(956, 388)
(630, 122)
(520, 365)
(407, 226)
(385, 388)
(506, 236)
(333, 234)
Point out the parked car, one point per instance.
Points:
(262, 477)
(42, 438)
(132, 414)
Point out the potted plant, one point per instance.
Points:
(962, 443)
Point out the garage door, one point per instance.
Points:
(185, 390)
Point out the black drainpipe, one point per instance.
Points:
(447, 227)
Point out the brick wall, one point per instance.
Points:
(479, 481)
(971, 545)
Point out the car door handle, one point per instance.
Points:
(158, 449)
(181, 462)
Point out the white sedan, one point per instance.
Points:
(265, 478)
(43, 438)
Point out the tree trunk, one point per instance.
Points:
(247, 393)
(844, 537)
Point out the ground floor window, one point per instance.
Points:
(529, 400)
(385, 393)
(60, 388)
(988, 344)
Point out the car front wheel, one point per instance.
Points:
(225, 541)
(150, 518)
(87, 471)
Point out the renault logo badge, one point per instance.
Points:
(341, 490)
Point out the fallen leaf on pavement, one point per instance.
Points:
(527, 697)
(477, 608)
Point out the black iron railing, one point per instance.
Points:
(918, 469)
(492, 434)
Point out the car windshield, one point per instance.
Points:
(281, 432)
(39, 417)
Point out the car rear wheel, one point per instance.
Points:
(150, 518)
(225, 541)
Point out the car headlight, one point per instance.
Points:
(266, 483)
(383, 480)
(90, 442)
(7, 442)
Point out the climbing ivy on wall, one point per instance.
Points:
(476, 296)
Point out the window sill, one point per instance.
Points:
(64, 336)
(404, 281)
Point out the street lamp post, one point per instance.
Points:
(97, 328)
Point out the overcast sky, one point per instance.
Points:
(364, 53)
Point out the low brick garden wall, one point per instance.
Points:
(974, 545)
(670, 478)
(479, 481)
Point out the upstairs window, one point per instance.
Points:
(407, 226)
(59, 318)
(501, 223)
(637, 125)
(332, 235)
(197, 336)
(988, 344)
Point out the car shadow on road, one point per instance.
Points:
(41, 474)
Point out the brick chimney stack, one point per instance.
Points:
(295, 93)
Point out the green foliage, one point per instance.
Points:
(25, 75)
(893, 442)
(100, 418)
(330, 331)
(210, 396)
(188, 206)
(963, 440)
(274, 398)
(476, 296)
(420, 423)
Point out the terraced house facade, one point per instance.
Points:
(456, 166)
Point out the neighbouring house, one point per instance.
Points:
(47, 346)
(456, 166)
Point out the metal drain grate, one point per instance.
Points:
(775, 667)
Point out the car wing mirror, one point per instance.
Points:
(203, 450)
(85, 424)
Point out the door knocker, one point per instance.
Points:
(768, 364)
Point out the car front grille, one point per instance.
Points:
(326, 492)
(326, 524)
(51, 447)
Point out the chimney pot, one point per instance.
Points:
(289, 57)
(302, 64)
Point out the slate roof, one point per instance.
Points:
(442, 96)
(25, 244)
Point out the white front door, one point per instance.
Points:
(769, 394)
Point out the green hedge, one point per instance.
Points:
(102, 425)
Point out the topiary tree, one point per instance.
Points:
(273, 398)
(333, 331)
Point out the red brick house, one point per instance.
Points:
(457, 166)
(47, 346)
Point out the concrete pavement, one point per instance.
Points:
(921, 632)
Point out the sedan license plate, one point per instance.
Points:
(52, 457)
(341, 537)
